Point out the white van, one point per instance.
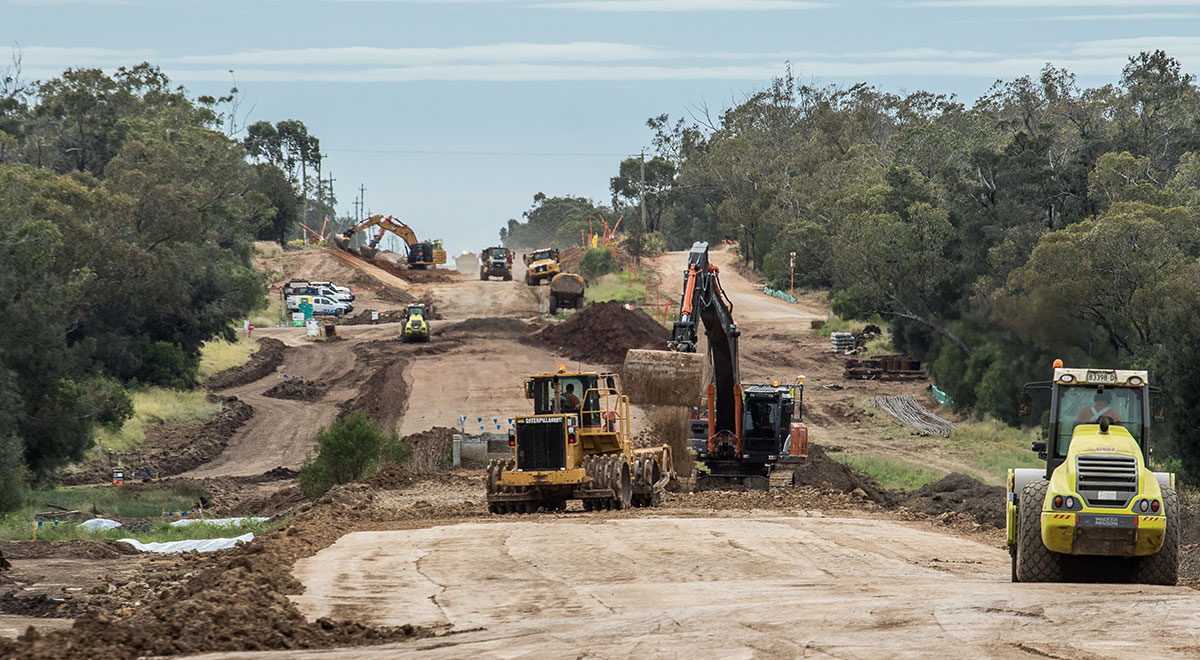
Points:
(321, 305)
(340, 292)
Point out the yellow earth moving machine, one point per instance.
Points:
(576, 446)
(566, 291)
(416, 323)
(541, 265)
(1096, 511)
(495, 262)
(421, 254)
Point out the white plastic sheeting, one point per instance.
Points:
(221, 522)
(99, 524)
(199, 545)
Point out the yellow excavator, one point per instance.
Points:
(421, 254)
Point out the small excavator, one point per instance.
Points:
(752, 435)
(421, 254)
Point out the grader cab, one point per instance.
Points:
(576, 446)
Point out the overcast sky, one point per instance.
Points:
(454, 113)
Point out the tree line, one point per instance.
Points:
(128, 211)
(1045, 220)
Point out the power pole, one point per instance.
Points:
(362, 199)
(642, 193)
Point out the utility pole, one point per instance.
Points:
(362, 199)
(642, 193)
(792, 268)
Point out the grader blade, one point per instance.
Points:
(664, 378)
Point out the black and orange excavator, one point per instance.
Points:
(751, 435)
(420, 254)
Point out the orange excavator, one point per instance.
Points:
(752, 435)
(421, 254)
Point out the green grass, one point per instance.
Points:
(218, 355)
(99, 502)
(838, 324)
(152, 406)
(991, 448)
(270, 315)
(617, 288)
(891, 472)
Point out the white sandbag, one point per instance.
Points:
(199, 545)
(223, 522)
(99, 524)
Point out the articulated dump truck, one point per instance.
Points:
(1096, 511)
(576, 446)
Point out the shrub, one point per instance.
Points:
(348, 450)
(14, 478)
(597, 262)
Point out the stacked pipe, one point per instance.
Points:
(840, 342)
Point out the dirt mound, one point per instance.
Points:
(382, 291)
(391, 477)
(489, 326)
(569, 259)
(431, 449)
(232, 600)
(173, 448)
(958, 493)
(390, 262)
(298, 390)
(265, 361)
(823, 472)
(385, 316)
(97, 549)
(603, 332)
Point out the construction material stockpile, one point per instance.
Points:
(908, 411)
(602, 332)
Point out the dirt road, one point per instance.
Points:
(763, 586)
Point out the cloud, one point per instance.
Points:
(1162, 16)
(684, 5)
(1024, 4)
(579, 51)
(71, 56)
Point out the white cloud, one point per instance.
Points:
(580, 51)
(684, 5)
(1177, 47)
(70, 56)
(1161, 16)
(1022, 4)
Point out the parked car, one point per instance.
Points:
(321, 305)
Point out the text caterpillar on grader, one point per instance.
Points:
(753, 436)
(576, 446)
(1096, 510)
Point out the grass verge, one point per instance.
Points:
(991, 448)
(618, 288)
(153, 406)
(891, 472)
(97, 501)
(218, 355)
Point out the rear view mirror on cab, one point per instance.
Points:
(1025, 404)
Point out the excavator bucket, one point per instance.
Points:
(342, 242)
(663, 378)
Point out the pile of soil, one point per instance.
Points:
(603, 332)
(174, 448)
(390, 262)
(959, 493)
(431, 450)
(227, 601)
(823, 472)
(487, 326)
(264, 362)
(569, 259)
(92, 549)
(298, 390)
(386, 316)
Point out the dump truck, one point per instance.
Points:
(416, 323)
(1095, 509)
(566, 291)
(754, 436)
(541, 265)
(420, 254)
(495, 262)
(576, 446)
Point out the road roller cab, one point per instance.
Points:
(1096, 496)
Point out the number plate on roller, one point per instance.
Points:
(1099, 520)
(1105, 377)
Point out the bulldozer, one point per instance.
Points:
(1095, 509)
(421, 254)
(495, 261)
(576, 446)
(541, 265)
(416, 323)
(753, 436)
(566, 290)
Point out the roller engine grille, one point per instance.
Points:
(541, 446)
(1106, 480)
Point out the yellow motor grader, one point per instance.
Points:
(576, 446)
